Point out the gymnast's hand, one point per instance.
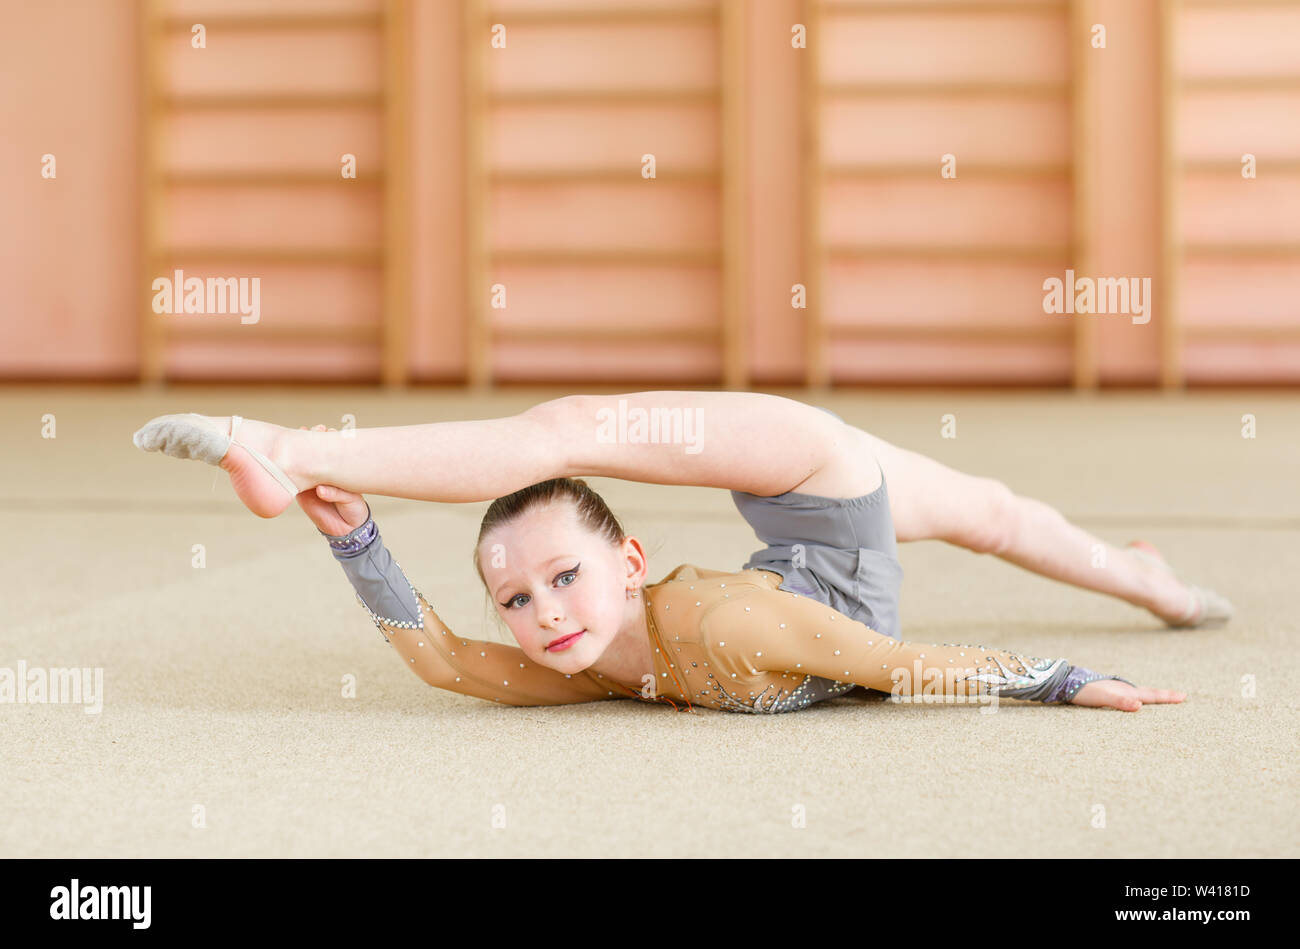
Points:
(332, 509)
(1111, 693)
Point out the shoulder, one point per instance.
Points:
(691, 598)
(686, 601)
(688, 573)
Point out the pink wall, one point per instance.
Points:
(69, 260)
(67, 245)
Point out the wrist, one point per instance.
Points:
(355, 540)
(1075, 680)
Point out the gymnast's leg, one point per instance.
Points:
(930, 501)
(718, 439)
(453, 461)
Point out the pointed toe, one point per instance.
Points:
(187, 436)
(146, 437)
(1218, 609)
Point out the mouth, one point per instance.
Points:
(564, 642)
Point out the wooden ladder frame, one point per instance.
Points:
(394, 181)
(731, 258)
(1173, 249)
(816, 251)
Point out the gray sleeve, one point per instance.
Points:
(1060, 687)
(380, 584)
(1053, 682)
(1075, 680)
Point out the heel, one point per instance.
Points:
(267, 464)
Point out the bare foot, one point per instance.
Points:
(1177, 603)
(1170, 599)
(260, 459)
(260, 491)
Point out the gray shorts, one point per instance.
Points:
(839, 551)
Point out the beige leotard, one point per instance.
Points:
(733, 642)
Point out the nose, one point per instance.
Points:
(549, 612)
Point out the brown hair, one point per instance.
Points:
(594, 514)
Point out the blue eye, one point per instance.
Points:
(510, 603)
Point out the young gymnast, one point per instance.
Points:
(808, 617)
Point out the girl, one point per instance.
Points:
(807, 618)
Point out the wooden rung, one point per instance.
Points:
(1240, 84)
(271, 255)
(1230, 333)
(1061, 331)
(609, 333)
(945, 252)
(258, 100)
(612, 14)
(1235, 4)
(964, 89)
(629, 257)
(342, 19)
(858, 7)
(870, 170)
(228, 327)
(628, 175)
(267, 178)
(603, 97)
(1242, 250)
(1264, 164)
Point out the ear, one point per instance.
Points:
(637, 563)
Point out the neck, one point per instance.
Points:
(630, 656)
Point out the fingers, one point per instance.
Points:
(1109, 693)
(327, 492)
(1132, 700)
(1160, 696)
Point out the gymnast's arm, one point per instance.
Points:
(783, 632)
(431, 650)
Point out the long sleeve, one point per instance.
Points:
(779, 632)
(432, 651)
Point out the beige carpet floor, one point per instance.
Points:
(224, 729)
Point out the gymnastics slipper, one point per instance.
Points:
(192, 436)
(1204, 607)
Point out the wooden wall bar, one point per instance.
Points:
(502, 226)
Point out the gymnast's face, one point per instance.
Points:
(550, 577)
